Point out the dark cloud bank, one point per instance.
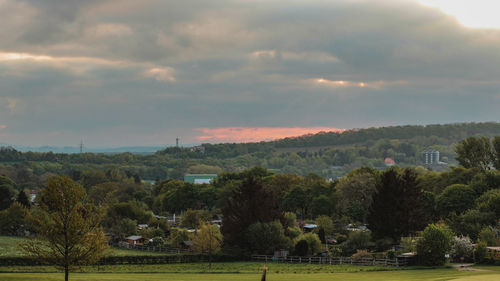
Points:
(144, 72)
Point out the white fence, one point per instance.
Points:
(396, 262)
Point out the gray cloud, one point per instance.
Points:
(143, 72)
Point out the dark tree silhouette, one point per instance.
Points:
(397, 208)
(23, 199)
(249, 203)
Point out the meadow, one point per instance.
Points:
(424, 274)
(247, 271)
(232, 271)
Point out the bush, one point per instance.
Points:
(480, 252)
(157, 242)
(265, 238)
(177, 236)
(313, 242)
(293, 232)
(341, 238)
(462, 249)
(436, 241)
(357, 240)
(335, 250)
(362, 254)
(301, 248)
(408, 244)
(489, 236)
(384, 244)
(391, 254)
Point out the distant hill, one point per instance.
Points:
(75, 149)
(327, 154)
(423, 135)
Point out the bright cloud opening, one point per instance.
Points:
(322, 82)
(256, 134)
(161, 74)
(475, 14)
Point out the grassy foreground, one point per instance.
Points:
(436, 274)
(243, 271)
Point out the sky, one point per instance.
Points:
(127, 72)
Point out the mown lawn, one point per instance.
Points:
(428, 274)
(227, 267)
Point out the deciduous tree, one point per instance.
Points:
(67, 227)
(208, 240)
(474, 152)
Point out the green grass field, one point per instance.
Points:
(246, 271)
(240, 271)
(433, 274)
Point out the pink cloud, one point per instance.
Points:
(2, 127)
(256, 134)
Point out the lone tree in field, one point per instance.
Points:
(208, 240)
(67, 228)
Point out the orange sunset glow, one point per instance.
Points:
(256, 134)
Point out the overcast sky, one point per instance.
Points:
(117, 73)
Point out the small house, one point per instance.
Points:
(135, 240)
(309, 227)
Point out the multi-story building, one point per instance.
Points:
(430, 157)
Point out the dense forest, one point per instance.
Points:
(327, 154)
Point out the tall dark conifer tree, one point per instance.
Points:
(250, 202)
(396, 209)
(23, 199)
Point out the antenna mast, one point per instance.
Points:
(81, 146)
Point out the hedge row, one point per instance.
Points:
(160, 259)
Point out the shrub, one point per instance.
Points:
(301, 248)
(462, 249)
(480, 252)
(384, 244)
(293, 232)
(157, 242)
(265, 238)
(357, 240)
(489, 236)
(313, 242)
(391, 254)
(362, 254)
(436, 241)
(408, 244)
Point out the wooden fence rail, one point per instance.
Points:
(396, 262)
